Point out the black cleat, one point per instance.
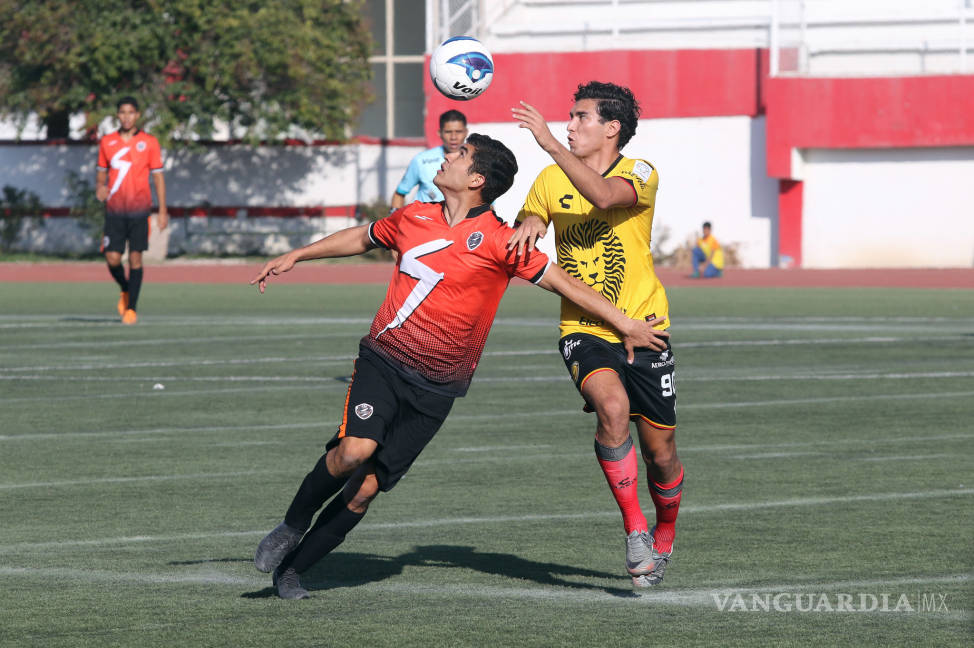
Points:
(275, 545)
(288, 585)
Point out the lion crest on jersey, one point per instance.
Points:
(592, 252)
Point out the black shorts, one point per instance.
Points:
(128, 227)
(648, 381)
(401, 417)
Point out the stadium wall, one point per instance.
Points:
(783, 166)
(799, 127)
(224, 198)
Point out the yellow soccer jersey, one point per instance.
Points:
(608, 249)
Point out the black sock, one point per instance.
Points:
(317, 487)
(118, 274)
(329, 531)
(135, 285)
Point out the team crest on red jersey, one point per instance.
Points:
(474, 240)
(140, 147)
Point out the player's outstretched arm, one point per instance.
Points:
(347, 242)
(526, 234)
(635, 333)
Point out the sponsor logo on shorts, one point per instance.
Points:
(664, 363)
(363, 410)
(474, 240)
(104, 242)
(575, 371)
(664, 355)
(569, 347)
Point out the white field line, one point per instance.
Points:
(153, 342)
(142, 478)
(487, 354)
(855, 375)
(169, 393)
(916, 457)
(576, 593)
(501, 520)
(161, 431)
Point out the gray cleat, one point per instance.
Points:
(288, 585)
(658, 561)
(275, 545)
(639, 553)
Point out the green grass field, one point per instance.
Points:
(826, 435)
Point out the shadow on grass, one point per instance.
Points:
(353, 569)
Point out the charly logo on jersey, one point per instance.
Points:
(474, 240)
(594, 254)
(363, 410)
(569, 347)
(140, 147)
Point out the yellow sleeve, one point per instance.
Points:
(536, 203)
(644, 179)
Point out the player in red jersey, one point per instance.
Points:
(422, 348)
(126, 159)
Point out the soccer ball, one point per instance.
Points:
(461, 68)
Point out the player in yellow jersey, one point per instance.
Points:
(601, 204)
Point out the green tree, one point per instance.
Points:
(267, 68)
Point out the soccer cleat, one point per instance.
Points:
(639, 553)
(123, 304)
(654, 576)
(288, 584)
(130, 317)
(275, 545)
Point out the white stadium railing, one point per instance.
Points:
(805, 37)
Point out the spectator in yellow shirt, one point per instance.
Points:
(708, 258)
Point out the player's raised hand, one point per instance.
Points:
(641, 333)
(531, 119)
(276, 266)
(526, 235)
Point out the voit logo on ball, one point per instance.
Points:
(461, 68)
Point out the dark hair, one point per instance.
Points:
(706, 224)
(452, 115)
(495, 162)
(614, 103)
(127, 100)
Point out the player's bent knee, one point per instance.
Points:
(367, 491)
(351, 453)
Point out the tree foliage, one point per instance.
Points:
(271, 69)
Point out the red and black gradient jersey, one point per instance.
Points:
(128, 163)
(441, 302)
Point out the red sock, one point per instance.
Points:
(621, 468)
(666, 497)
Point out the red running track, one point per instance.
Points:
(379, 273)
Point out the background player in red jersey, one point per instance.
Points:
(602, 206)
(422, 348)
(126, 159)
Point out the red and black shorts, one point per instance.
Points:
(648, 381)
(119, 228)
(401, 417)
